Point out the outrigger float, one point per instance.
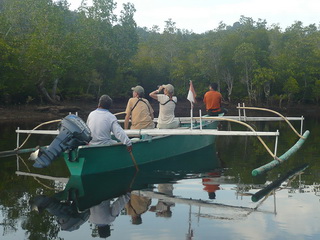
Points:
(149, 145)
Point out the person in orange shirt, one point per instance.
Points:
(212, 99)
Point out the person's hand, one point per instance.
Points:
(129, 148)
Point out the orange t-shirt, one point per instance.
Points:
(212, 100)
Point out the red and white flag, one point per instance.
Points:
(191, 94)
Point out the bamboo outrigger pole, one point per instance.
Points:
(17, 151)
(284, 157)
(288, 153)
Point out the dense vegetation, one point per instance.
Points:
(49, 53)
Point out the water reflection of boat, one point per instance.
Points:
(129, 193)
(89, 195)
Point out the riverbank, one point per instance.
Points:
(29, 113)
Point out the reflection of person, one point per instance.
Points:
(136, 207)
(66, 214)
(209, 184)
(212, 100)
(163, 208)
(103, 214)
(139, 110)
(102, 122)
(167, 103)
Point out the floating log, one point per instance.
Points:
(60, 109)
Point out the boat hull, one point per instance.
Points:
(94, 159)
(86, 193)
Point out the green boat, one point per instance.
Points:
(149, 145)
(86, 191)
(147, 148)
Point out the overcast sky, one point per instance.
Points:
(203, 15)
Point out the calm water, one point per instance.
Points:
(206, 194)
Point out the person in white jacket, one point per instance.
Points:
(167, 105)
(102, 122)
(103, 214)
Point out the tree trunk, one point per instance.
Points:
(54, 89)
(266, 89)
(247, 81)
(43, 91)
(226, 76)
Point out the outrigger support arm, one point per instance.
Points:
(279, 114)
(248, 126)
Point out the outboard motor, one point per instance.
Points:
(73, 132)
(66, 213)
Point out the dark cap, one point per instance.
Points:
(104, 231)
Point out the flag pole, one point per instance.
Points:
(191, 97)
(191, 116)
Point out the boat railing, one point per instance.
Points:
(160, 132)
(242, 116)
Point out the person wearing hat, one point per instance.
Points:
(167, 105)
(136, 206)
(139, 110)
(102, 122)
(163, 208)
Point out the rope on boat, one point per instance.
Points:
(119, 113)
(277, 113)
(35, 178)
(248, 126)
(134, 161)
(41, 124)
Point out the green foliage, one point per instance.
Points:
(316, 90)
(67, 52)
(48, 50)
(291, 87)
